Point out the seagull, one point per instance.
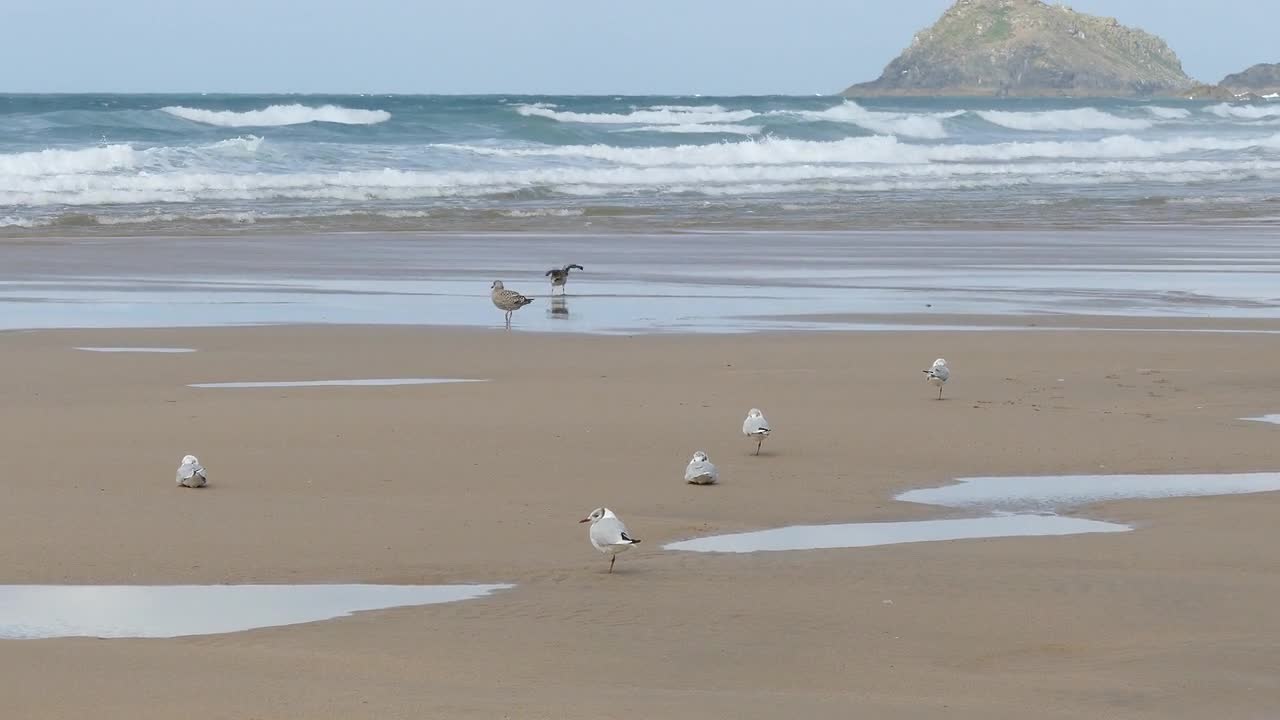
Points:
(507, 301)
(701, 471)
(938, 374)
(608, 534)
(755, 426)
(191, 473)
(560, 276)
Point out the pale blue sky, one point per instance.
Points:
(511, 46)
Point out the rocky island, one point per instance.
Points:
(1261, 79)
(1028, 48)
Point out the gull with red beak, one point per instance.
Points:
(608, 534)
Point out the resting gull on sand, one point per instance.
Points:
(701, 470)
(938, 375)
(608, 534)
(756, 427)
(191, 473)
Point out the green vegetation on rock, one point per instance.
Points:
(1029, 48)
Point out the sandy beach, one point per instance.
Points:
(484, 482)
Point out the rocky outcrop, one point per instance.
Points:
(1031, 49)
(1261, 79)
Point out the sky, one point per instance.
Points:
(711, 47)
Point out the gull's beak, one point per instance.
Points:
(584, 520)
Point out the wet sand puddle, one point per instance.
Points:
(359, 382)
(1018, 507)
(165, 611)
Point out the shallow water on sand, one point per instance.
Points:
(1020, 507)
(676, 282)
(366, 382)
(161, 611)
(161, 350)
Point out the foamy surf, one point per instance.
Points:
(280, 115)
(180, 166)
(1049, 120)
(668, 115)
(925, 126)
(1244, 112)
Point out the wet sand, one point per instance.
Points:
(484, 482)
(703, 282)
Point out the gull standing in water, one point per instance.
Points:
(560, 276)
(756, 427)
(938, 375)
(608, 534)
(701, 471)
(191, 473)
(507, 301)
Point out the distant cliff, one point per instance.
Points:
(1031, 49)
(1259, 82)
(1261, 79)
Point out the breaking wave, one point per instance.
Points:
(1245, 112)
(280, 115)
(660, 115)
(926, 126)
(879, 149)
(1050, 120)
(698, 128)
(1166, 113)
(114, 158)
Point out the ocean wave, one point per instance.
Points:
(877, 149)
(699, 128)
(1244, 112)
(1049, 120)
(114, 158)
(661, 115)
(926, 126)
(1167, 113)
(400, 185)
(542, 212)
(279, 115)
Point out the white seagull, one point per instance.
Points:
(191, 473)
(938, 375)
(756, 427)
(608, 534)
(701, 471)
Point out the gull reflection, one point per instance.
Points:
(559, 307)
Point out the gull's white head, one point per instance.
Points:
(497, 285)
(939, 363)
(598, 514)
(190, 460)
(699, 457)
(755, 413)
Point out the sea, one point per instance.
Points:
(209, 164)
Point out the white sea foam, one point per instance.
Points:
(114, 158)
(921, 125)
(1246, 112)
(20, 222)
(1166, 113)
(1049, 120)
(671, 115)
(878, 149)
(278, 115)
(60, 162)
(698, 128)
(542, 212)
(709, 179)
